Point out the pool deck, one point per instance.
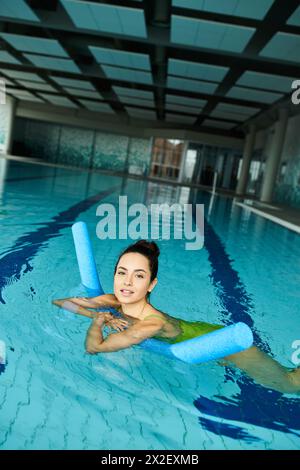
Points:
(283, 215)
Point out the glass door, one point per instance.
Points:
(166, 158)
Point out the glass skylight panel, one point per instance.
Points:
(36, 85)
(7, 82)
(237, 109)
(283, 46)
(58, 100)
(97, 106)
(53, 63)
(266, 81)
(137, 101)
(34, 44)
(129, 75)
(228, 115)
(191, 85)
(233, 112)
(84, 93)
(196, 70)
(17, 9)
(70, 82)
(209, 34)
(19, 74)
(256, 9)
(121, 58)
(185, 101)
(106, 18)
(251, 94)
(7, 57)
(24, 95)
(184, 109)
(294, 19)
(133, 92)
(33, 99)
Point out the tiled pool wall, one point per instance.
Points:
(287, 190)
(87, 148)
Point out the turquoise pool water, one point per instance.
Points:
(54, 396)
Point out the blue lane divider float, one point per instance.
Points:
(220, 343)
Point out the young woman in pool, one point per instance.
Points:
(134, 278)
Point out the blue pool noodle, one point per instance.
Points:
(2, 353)
(220, 343)
(86, 261)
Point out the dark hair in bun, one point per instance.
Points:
(148, 249)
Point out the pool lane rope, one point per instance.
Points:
(215, 345)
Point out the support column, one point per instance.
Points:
(248, 150)
(200, 166)
(8, 112)
(182, 163)
(227, 171)
(3, 170)
(273, 160)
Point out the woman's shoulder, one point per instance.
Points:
(153, 313)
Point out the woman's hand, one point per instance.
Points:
(99, 318)
(116, 323)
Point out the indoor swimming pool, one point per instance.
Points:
(55, 396)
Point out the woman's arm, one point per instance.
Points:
(72, 307)
(105, 300)
(133, 335)
(80, 305)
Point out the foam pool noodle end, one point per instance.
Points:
(2, 353)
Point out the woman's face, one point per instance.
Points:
(132, 278)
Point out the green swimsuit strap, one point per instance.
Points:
(155, 315)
